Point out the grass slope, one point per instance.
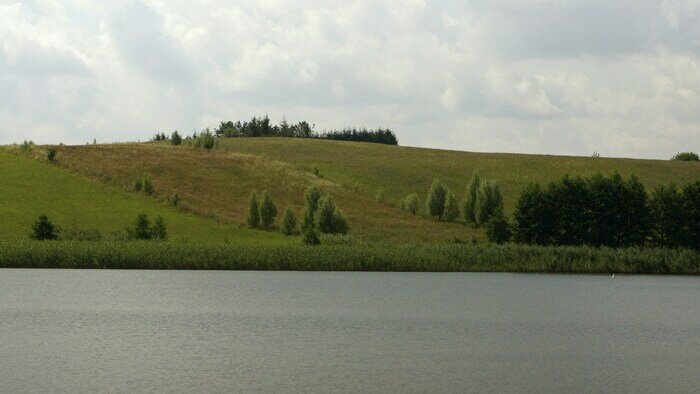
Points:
(216, 184)
(29, 188)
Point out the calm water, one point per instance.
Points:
(184, 331)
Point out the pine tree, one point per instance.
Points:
(252, 217)
(307, 219)
(435, 203)
(484, 203)
(311, 197)
(310, 236)
(469, 202)
(324, 215)
(142, 227)
(147, 185)
(289, 222)
(158, 231)
(175, 138)
(43, 229)
(267, 211)
(451, 208)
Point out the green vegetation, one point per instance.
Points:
(43, 229)
(289, 222)
(686, 156)
(252, 217)
(346, 257)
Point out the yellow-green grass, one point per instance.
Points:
(403, 170)
(217, 184)
(29, 187)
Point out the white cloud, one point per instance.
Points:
(539, 76)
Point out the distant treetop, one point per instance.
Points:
(686, 156)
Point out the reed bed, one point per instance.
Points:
(346, 257)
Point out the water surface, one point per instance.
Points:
(185, 331)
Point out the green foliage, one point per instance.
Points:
(535, 222)
(176, 200)
(410, 203)
(340, 223)
(666, 205)
(205, 140)
(435, 203)
(289, 222)
(158, 230)
(252, 217)
(175, 138)
(686, 156)
(26, 146)
(469, 202)
(138, 184)
(307, 219)
(147, 185)
(142, 228)
(51, 155)
(691, 208)
(451, 207)
(43, 229)
(311, 197)
(498, 230)
(324, 215)
(357, 256)
(310, 236)
(488, 202)
(267, 211)
(75, 233)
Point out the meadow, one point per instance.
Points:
(346, 257)
(215, 184)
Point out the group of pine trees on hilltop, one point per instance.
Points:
(262, 127)
(319, 216)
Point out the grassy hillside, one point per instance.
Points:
(29, 187)
(216, 184)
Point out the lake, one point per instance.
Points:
(218, 331)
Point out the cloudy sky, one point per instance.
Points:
(621, 77)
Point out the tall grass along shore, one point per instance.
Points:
(347, 257)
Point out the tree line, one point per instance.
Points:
(607, 211)
(262, 127)
(44, 230)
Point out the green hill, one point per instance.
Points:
(214, 185)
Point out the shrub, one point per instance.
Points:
(410, 203)
(498, 229)
(289, 222)
(329, 219)
(451, 208)
(175, 139)
(205, 139)
(43, 229)
(469, 202)
(686, 156)
(310, 236)
(311, 197)
(435, 203)
(252, 217)
(26, 146)
(267, 211)
(147, 185)
(340, 223)
(138, 185)
(158, 231)
(51, 155)
(142, 228)
(176, 200)
(488, 202)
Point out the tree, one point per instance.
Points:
(686, 156)
(252, 217)
(324, 215)
(435, 203)
(451, 208)
(469, 202)
(637, 215)
(311, 197)
(691, 208)
(488, 202)
(175, 138)
(158, 231)
(340, 223)
(307, 218)
(310, 236)
(267, 211)
(498, 229)
(43, 229)
(410, 203)
(289, 222)
(666, 206)
(142, 227)
(51, 155)
(535, 222)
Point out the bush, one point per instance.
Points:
(138, 185)
(469, 202)
(252, 217)
(451, 208)
(175, 139)
(498, 229)
(267, 211)
(51, 155)
(435, 203)
(310, 236)
(410, 203)
(26, 146)
(686, 156)
(142, 228)
(289, 222)
(205, 140)
(43, 229)
(488, 202)
(329, 219)
(158, 231)
(311, 197)
(340, 223)
(147, 185)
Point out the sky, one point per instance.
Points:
(617, 77)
